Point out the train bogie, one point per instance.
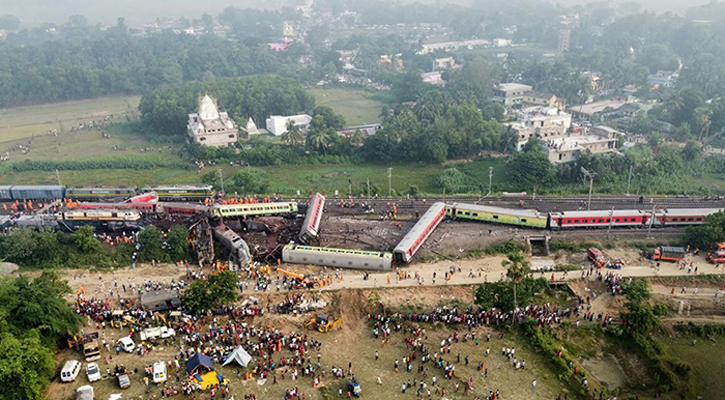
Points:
(311, 224)
(412, 241)
(39, 192)
(337, 258)
(255, 209)
(93, 192)
(523, 218)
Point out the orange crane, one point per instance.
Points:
(301, 280)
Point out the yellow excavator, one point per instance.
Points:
(302, 281)
(323, 323)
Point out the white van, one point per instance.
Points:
(70, 371)
(127, 344)
(159, 372)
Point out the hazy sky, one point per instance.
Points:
(138, 12)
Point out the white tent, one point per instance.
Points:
(240, 356)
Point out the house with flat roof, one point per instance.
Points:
(543, 123)
(277, 124)
(510, 94)
(601, 139)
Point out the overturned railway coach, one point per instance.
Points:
(311, 225)
(415, 238)
(337, 258)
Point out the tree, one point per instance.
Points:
(517, 267)
(26, 367)
(637, 291)
(216, 291)
(530, 167)
(178, 241)
(151, 245)
(407, 86)
(320, 139)
(85, 241)
(250, 180)
(293, 136)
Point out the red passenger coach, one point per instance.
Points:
(683, 216)
(311, 224)
(598, 219)
(407, 247)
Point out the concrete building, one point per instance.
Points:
(211, 127)
(443, 63)
(663, 79)
(586, 111)
(251, 128)
(500, 42)
(543, 99)
(602, 139)
(434, 78)
(450, 46)
(277, 124)
(543, 123)
(510, 94)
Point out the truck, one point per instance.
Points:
(91, 347)
(595, 256)
(666, 253)
(717, 254)
(162, 332)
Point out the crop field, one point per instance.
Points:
(355, 105)
(35, 121)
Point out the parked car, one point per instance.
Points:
(124, 381)
(127, 344)
(93, 372)
(70, 371)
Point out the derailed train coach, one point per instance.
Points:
(337, 258)
(415, 238)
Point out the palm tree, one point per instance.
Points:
(320, 139)
(293, 136)
(517, 267)
(357, 138)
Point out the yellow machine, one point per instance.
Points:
(323, 323)
(301, 280)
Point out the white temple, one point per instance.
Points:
(211, 127)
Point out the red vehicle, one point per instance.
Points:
(595, 255)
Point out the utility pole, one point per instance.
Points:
(590, 175)
(651, 222)
(368, 187)
(611, 221)
(221, 179)
(57, 175)
(390, 182)
(349, 187)
(444, 194)
(490, 180)
(629, 180)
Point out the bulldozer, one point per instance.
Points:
(323, 323)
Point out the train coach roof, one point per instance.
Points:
(178, 187)
(597, 213)
(417, 230)
(38, 187)
(529, 213)
(338, 251)
(691, 211)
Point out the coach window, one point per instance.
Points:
(689, 219)
(576, 221)
(495, 217)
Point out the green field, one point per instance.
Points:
(284, 179)
(35, 121)
(707, 359)
(355, 105)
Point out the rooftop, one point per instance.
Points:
(598, 106)
(513, 86)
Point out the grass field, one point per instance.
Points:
(355, 105)
(285, 179)
(707, 359)
(35, 121)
